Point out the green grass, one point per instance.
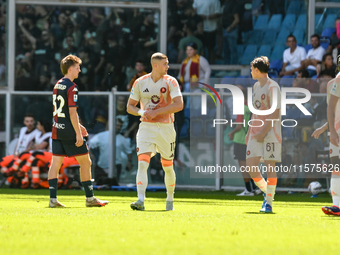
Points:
(202, 223)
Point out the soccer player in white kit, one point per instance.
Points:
(333, 115)
(160, 97)
(264, 140)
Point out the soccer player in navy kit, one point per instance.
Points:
(67, 133)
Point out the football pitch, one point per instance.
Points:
(202, 223)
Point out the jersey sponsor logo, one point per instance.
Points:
(59, 125)
(263, 96)
(155, 99)
(75, 98)
(272, 156)
(60, 86)
(257, 104)
(146, 90)
(163, 90)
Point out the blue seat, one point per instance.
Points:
(301, 22)
(277, 53)
(248, 54)
(325, 45)
(261, 22)
(314, 77)
(240, 49)
(308, 47)
(287, 81)
(196, 127)
(275, 22)
(327, 32)
(264, 50)
(228, 80)
(184, 129)
(255, 37)
(294, 7)
(299, 35)
(276, 65)
(329, 22)
(243, 80)
(302, 8)
(318, 23)
(289, 22)
(269, 37)
(282, 37)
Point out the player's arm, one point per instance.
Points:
(267, 125)
(76, 125)
(131, 107)
(320, 130)
(176, 106)
(334, 138)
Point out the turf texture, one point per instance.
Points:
(202, 223)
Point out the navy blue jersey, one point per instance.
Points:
(65, 95)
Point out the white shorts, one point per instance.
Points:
(267, 150)
(333, 150)
(156, 137)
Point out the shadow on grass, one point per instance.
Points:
(181, 194)
(259, 213)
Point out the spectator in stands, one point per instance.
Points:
(130, 122)
(42, 139)
(194, 68)
(335, 38)
(86, 79)
(293, 57)
(302, 80)
(191, 14)
(26, 134)
(68, 47)
(188, 28)
(102, 141)
(314, 55)
(230, 23)
(139, 67)
(58, 30)
(327, 67)
(209, 11)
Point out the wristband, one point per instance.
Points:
(141, 112)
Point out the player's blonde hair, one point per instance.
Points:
(158, 56)
(67, 62)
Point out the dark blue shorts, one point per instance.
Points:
(68, 148)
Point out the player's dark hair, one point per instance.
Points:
(304, 73)
(316, 35)
(67, 62)
(291, 36)
(46, 124)
(29, 115)
(261, 63)
(139, 61)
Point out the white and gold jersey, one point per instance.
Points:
(263, 100)
(153, 95)
(333, 88)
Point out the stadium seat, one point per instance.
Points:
(308, 47)
(314, 77)
(301, 23)
(325, 45)
(329, 22)
(254, 37)
(265, 50)
(294, 7)
(240, 49)
(269, 37)
(184, 129)
(327, 32)
(318, 23)
(243, 80)
(196, 128)
(302, 8)
(299, 35)
(261, 22)
(275, 65)
(288, 22)
(248, 54)
(228, 80)
(287, 81)
(277, 53)
(275, 22)
(282, 37)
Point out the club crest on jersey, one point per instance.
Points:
(263, 96)
(163, 90)
(257, 104)
(330, 151)
(155, 99)
(75, 98)
(248, 152)
(137, 149)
